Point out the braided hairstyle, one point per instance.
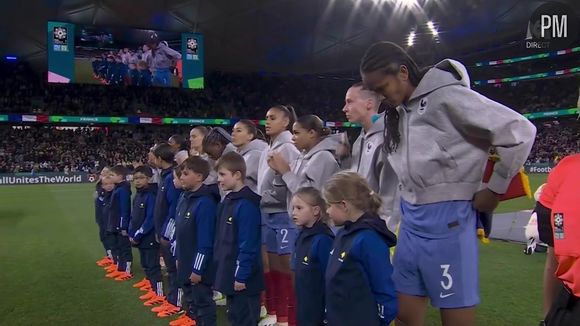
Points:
(216, 138)
(388, 57)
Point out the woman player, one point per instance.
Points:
(279, 231)
(438, 136)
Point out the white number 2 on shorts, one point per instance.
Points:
(284, 235)
(446, 275)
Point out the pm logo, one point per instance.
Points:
(552, 25)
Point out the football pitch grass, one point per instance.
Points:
(49, 245)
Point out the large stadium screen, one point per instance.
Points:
(124, 56)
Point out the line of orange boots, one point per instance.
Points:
(161, 307)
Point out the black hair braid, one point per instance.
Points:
(391, 132)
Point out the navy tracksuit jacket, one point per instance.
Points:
(238, 242)
(359, 287)
(309, 262)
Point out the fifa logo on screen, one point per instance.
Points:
(59, 39)
(552, 25)
(192, 47)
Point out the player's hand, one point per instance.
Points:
(164, 241)
(194, 278)
(124, 233)
(277, 163)
(239, 286)
(485, 200)
(133, 242)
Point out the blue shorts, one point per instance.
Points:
(443, 267)
(279, 233)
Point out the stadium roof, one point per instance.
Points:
(281, 35)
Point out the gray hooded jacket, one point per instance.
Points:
(369, 160)
(446, 132)
(271, 186)
(313, 168)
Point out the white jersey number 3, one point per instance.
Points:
(448, 282)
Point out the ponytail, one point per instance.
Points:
(252, 129)
(375, 203)
(289, 112)
(313, 122)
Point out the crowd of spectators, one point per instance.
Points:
(71, 149)
(44, 148)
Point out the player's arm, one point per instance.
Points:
(320, 169)
(546, 201)
(248, 240)
(372, 252)
(388, 184)
(175, 55)
(149, 223)
(172, 196)
(479, 118)
(205, 218)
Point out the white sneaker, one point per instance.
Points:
(269, 320)
(219, 298)
(263, 312)
(221, 302)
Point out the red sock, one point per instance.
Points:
(291, 306)
(284, 285)
(271, 297)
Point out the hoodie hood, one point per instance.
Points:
(328, 143)
(373, 222)
(204, 190)
(446, 73)
(245, 193)
(377, 127)
(254, 145)
(318, 228)
(283, 138)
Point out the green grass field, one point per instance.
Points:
(49, 245)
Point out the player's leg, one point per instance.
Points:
(273, 277)
(458, 317)
(171, 273)
(551, 283)
(269, 302)
(451, 273)
(155, 277)
(188, 300)
(205, 307)
(412, 310)
(411, 293)
(286, 240)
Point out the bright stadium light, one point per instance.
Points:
(411, 39)
(407, 3)
(432, 28)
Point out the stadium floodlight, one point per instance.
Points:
(411, 39)
(11, 58)
(407, 3)
(432, 28)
